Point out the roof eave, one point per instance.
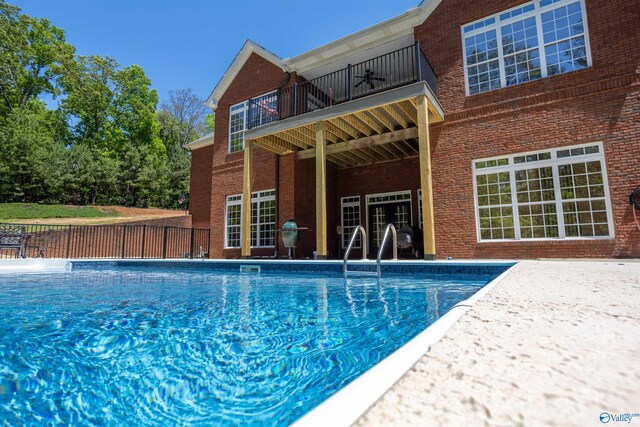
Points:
(200, 142)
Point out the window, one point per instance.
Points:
(263, 220)
(539, 39)
(350, 220)
(553, 194)
(237, 126)
(234, 220)
(263, 108)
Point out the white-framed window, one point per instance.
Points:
(263, 220)
(233, 228)
(350, 220)
(237, 126)
(262, 109)
(538, 39)
(553, 194)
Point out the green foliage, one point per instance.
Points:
(106, 143)
(36, 211)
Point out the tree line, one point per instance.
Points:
(84, 130)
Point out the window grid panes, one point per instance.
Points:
(263, 217)
(495, 211)
(350, 220)
(536, 40)
(536, 203)
(583, 199)
(548, 195)
(234, 219)
(237, 126)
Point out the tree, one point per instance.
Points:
(33, 55)
(190, 113)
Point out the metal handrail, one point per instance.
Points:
(359, 229)
(381, 249)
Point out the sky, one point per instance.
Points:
(190, 43)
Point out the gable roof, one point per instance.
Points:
(377, 34)
(238, 62)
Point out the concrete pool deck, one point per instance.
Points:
(554, 343)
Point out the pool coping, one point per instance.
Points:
(351, 402)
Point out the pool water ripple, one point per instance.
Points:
(162, 347)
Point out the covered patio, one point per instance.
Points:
(383, 127)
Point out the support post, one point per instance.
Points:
(429, 238)
(321, 192)
(246, 200)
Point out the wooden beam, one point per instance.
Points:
(279, 142)
(409, 110)
(246, 200)
(353, 133)
(391, 111)
(333, 129)
(337, 161)
(367, 141)
(426, 184)
(356, 124)
(367, 120)
(321, 192)
(380, 115)
(292, 140)
(270, 147)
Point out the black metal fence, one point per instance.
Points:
(389, 71)
(110, 241)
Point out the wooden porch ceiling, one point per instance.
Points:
(376, 134)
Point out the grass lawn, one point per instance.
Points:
(18, 211)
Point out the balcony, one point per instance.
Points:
(390, 71)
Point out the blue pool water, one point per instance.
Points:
(151, 347)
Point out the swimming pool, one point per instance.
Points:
(118, 343)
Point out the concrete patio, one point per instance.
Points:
(555, 343)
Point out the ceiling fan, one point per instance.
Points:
(369, 79)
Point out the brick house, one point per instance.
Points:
(502, 129)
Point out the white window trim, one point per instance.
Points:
(343, 204)
(245, 110)
(553, 162)
(537, 13)
(256, 197)
(259, 197)
(226, 219)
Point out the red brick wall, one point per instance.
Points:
(257, 77)
(601, 103)
(200, 187)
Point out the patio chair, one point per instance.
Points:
(13, 237)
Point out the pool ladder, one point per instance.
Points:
(360, 230)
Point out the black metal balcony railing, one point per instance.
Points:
(389, 71)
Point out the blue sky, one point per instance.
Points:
(191, 43)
